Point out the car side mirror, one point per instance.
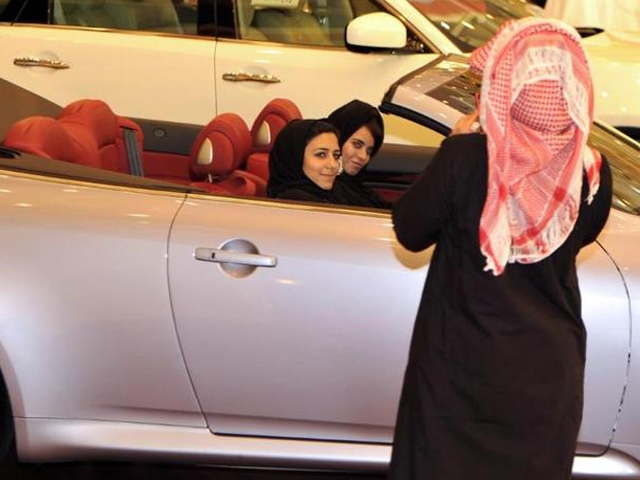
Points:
(378, 30)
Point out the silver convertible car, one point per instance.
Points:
(142, 319)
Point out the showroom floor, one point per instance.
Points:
(11, 470)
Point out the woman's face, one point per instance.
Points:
(356, 151)
(321, 160)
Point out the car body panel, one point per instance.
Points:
(86, 329)
(621, 233)
(330, 67)
(50, 439)
(614, 60)
(125, 69)
(290, 351)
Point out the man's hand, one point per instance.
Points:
(467, 124)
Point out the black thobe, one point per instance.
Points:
(494, 384)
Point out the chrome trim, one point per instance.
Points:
(249, 77)
(40, 62)
(614, 464)
(224, 256)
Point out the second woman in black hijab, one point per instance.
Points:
(304, 162)
(361, 134)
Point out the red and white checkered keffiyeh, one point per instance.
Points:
(536, 107)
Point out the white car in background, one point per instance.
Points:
(189, 60)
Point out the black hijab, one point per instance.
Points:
(286, 177)
(353, 115)
(348, 119)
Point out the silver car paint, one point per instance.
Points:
(621, 239)
(86, 329)
(313, 348)
(318, 344)
(53, 440)
(123, 232)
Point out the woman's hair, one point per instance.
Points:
(320, 127)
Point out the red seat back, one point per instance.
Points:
(218, 152)
(86, 132)
(270, 121)
(96, 124)
(46, 137)
(266, 127)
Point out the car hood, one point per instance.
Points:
(615, 66)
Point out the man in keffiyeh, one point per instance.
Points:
(493, 387)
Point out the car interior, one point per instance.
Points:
(225, 158)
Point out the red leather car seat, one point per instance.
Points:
(45, 137)
(217, 154)
(86, 132)
(266, 127)
(94, 122)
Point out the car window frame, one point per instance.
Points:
(39, 12)
(227, 29)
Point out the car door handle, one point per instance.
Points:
(226, 256)
(249, 77)
(40, 62)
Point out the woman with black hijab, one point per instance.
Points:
(361, 135)
(304, 162)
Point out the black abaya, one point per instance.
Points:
(494, 384)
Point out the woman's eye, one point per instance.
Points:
(357, 144)
(337, 155)
(321, 154)
(369, 151)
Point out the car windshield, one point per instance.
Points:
(471, 23)
(440, 93)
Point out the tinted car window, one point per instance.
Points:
(471, 23)
(300, 22)
(143, 15)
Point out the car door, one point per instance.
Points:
(314, 345)
(265, 53)
(143, 58)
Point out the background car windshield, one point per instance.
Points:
(471, 23)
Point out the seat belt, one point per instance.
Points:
(133, 151)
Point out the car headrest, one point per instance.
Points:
(94, 116)
(46, 137)
(270, 121)
(221, 147)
